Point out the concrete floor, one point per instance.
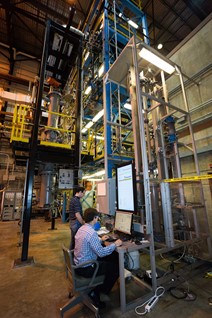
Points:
(39, 290)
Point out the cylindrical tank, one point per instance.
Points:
(134, 260)
(48, 180)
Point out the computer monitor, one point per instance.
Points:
(126, 187)
(123, 222)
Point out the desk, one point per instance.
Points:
(125, 248)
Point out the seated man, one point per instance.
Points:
(88, 246)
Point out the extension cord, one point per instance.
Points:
(151, 303)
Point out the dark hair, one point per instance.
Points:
(89, 214)
(78, 189)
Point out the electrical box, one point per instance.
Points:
(106, 196)
(11, 205)
(66, 179)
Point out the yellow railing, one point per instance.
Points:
(19, 124)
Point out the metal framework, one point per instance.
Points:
(157, 152)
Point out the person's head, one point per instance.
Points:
(91, 215)
(79, 191)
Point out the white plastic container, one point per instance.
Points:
(134, 260)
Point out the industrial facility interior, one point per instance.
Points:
(114, 96)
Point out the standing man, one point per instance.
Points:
(88, 247)
(75, 213)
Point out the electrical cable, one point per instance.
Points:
(150, 303)
(178, 259)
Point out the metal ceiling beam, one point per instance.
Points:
(28, 28)
(48, 10)
(196, 8)
(164, 2)
(12, 8)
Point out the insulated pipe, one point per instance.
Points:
(47, 184)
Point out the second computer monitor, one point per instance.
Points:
(123, 222)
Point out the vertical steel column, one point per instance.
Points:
(33, 151)
(146, 180)
(78, 111)
(107, 98)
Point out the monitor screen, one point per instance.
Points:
(123, 222)
(126, 187)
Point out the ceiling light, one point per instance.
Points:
(88, 90)
(96, 174)
(99, 137)
(133, 24)
(87, 55)
(89, 124)
(101, 70)
(128, 106)
(157, 61)
(94, 120)
(45, 114)
(160, 45)
(84, 130)
(98, 116)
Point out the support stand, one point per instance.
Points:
(19, 263)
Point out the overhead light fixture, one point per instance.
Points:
(94, 120)
(160, 46)
(99, 137)
(84, 130)
(87, 126)
(157, 61)
(98, 116)
(133, 24)
(101, 70)
(45, 114)
(87, 55)
(96, 174)
(88, 90)
(128, 106)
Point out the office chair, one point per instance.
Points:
(80, 286)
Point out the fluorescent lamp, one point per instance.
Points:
(133, 24)
(101, 70)
(94, 120)
(96, 174)
(89, 124)
(87, 55)
(157, 61)
(128, 106)
(88, 90)
(45, 114)
(98, 116)
(84, 130)
(99, 137)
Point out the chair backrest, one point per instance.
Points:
(78, 282)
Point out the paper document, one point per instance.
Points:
(102, 231)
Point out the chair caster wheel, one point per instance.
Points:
(70, 295)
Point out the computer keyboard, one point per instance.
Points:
(111, 239)
(116, 236)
